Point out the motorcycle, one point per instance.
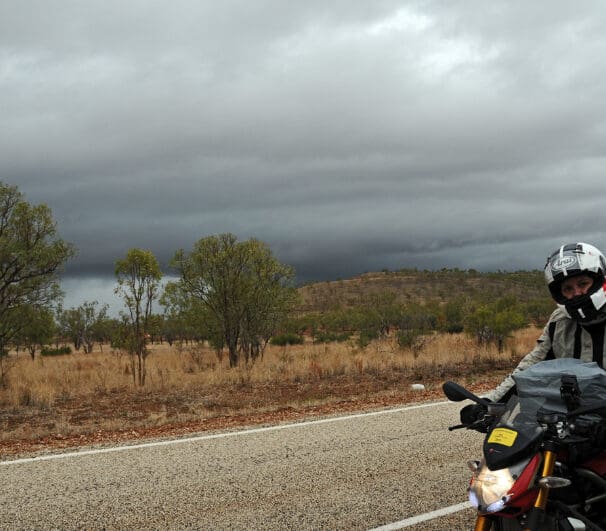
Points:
(544, 463)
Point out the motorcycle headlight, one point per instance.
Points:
(489, 489)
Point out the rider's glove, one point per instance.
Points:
(471, 413)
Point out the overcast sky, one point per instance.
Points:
(349, 136)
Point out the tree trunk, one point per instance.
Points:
(141, 369)
(233, 356)
(501, 344)
(133, 367)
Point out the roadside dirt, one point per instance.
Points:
(74, 423)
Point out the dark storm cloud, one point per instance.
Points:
(349, 137)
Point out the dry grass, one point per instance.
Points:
(80, 392)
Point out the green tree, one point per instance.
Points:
(81, 324)
(244, 288)
(138, 278)
(381, 312)
(185, 318)
(539, 310)
(493, 323)
(70, 326)
(38, 328)
(452, 315)
(31, 257)
(103, 330)
(271, 296)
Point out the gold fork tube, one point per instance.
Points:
(482, 524)
(548, 464)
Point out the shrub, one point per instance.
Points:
(329, 337)
(407, 338)
(282, 340)
(56, 351)
(366, 336)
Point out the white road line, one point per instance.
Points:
(414, 520)
(215, 435)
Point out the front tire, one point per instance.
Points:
(512, 524)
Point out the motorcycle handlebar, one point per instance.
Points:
(479, 425)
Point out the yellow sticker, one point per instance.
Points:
(503, 436)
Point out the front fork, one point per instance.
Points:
(537, 513)
(483, 523)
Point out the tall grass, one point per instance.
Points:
(44, 382)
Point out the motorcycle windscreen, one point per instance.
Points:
(514, 437)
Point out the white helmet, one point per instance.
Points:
(572, 260)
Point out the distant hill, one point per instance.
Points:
(423, 286)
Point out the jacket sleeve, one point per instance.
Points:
(537, 354)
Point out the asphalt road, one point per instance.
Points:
(354, 472)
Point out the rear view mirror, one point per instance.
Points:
(458, 393)
(453, 392)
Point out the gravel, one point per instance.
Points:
(355, 472)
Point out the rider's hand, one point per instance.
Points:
(471, 413)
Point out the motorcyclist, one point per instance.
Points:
(575, 275)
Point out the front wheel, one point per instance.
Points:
(506, 524)
(550, 524)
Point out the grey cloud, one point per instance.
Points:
(349, 137)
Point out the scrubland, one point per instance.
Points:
(84, 393)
